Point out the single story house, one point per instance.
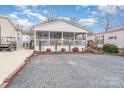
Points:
(58, 34)
(115, 36)
(8, 31)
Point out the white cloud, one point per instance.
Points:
(94, 12)
(77, 8)
(121, 7)
(108, 9)
(14, 15)
(24, 23)
(21, 7)
(24, 10)
(35, 6)
(88, 21)
(34, 14)
(85, 6)
(45, 12)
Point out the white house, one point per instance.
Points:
(61, 33)
(115, 36)
(26, 40)
(8, 31)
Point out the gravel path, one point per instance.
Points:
(72, 71)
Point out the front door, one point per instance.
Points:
(56, 39)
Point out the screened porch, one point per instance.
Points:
(60, 38)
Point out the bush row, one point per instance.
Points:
(110, 48)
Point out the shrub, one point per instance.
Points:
(63, 49)
(56, 46)
(39, 45)
(75, 49)
(48, 50)
(110, 48)
(69, 47)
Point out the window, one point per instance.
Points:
(99, 39)
(112, 37)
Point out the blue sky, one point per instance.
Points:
(88, 16)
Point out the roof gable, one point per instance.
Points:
(60, 25)
(9, 21)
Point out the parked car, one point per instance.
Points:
(10, 47)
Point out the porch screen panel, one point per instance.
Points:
(55, 35)
(68, 35)
(43, 42)
(42, 35)
(55, 42)
(68, 42)
(80, 36)
(78, 42)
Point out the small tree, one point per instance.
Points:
(69, 47)
(39, 45)
(56, 45)
(51, 16)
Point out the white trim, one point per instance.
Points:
(49, 37)
(74, 38)
(62, 38)
(35, 39)
(62, 20)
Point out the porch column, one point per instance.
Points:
(62, 38)
(49, 38)
(83, 34)
(74, 38)
(35, 39)
(86, 39)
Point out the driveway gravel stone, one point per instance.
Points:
(72, 71)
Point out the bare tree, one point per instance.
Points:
(74, 19)
(51, 16)
(19, 27)
(107, 22)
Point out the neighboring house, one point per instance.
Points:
(115, 36)
(26, 40)
(9, 32)
(59, 34)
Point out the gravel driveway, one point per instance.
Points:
(72, 71)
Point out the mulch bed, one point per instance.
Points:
(57, 52)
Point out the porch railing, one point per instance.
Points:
(47, 42)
